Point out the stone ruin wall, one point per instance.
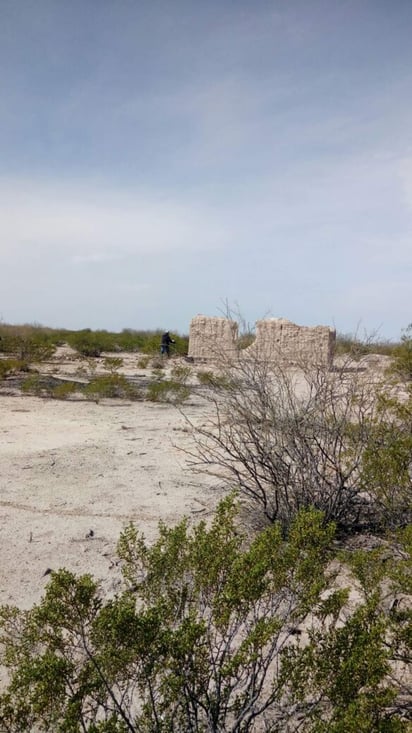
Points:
(209, 337)
(276, 338)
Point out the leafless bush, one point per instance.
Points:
(293, 437)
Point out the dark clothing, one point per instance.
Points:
(165, 345)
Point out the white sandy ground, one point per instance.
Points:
(68, 467)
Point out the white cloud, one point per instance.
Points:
(96, 258)
(405, 177)
(314, 243)
(95, 224)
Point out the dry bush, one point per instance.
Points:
(294, 437)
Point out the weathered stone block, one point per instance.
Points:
(278, 338)
(211, 337)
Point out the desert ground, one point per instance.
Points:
(74, 473)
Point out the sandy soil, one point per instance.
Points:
(68, 467)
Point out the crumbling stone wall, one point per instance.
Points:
(276, 338)
(211, 337)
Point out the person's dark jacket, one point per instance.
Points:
(166, 340)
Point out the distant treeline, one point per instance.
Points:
(349, 343)
(17, 339)
(92, 343)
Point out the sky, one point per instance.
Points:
(161, 159)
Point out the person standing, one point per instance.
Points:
(165, 345)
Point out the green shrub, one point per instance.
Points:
(8, 366)
(181, 345)
(112, 364)
(351, 344)
(205, 635)
(402, 362)
(110, 385)
(143, 362)
(181, 373)
(386, 464)
(64, 390)
(167, 390)
(7, 342)
(86, 342)
(91, 343)
(26, 347)
(210, 379)
(205, 377)
(33, 385)
(245, 340)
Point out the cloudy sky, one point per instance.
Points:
(159, 158)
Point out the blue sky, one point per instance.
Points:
(159, 158)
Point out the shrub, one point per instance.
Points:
(386, 465)
(91, 343)
(143, 362)
(402, 362)
(158, 363)
(211, 379)
(86, 342)
(65, 390)
(293, 438)
(112, 364)
(351, 344)
(206, 635)
(245, 340)
(28, 345)
(110, 385)
(167, 390)
(148, 342)
(33, 384)
(8, 366)
(180, 373)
